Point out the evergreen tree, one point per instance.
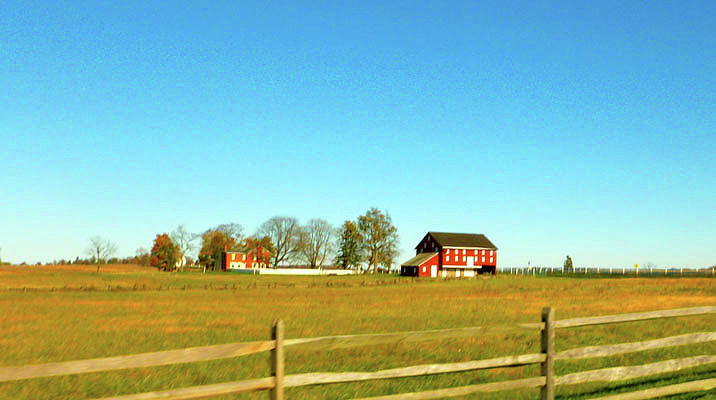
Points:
(349, 246)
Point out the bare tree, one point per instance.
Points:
(316, 241)
(185, 241)
(100, 250)
(232, 230)
(142, 256)
(284, 233)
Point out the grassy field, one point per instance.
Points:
(50, 314)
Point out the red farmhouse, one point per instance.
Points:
(442, 254)
(244, 259)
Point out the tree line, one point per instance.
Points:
(368, 243)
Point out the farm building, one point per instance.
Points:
(441, 254)
(244, 259)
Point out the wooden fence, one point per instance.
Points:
(546, 358)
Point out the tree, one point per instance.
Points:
(380, 238)
(185, 241)
(232, 230)
(284, 233)
(258, 247)
(349, 245)
(142, 256)
(100, 249)
(568, 266)
(316, 242)
(213, 243)
(165, 253)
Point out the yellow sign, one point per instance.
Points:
(636, 266)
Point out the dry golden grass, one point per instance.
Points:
(67, 314)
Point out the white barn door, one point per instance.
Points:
(471, 262)
(434, 271)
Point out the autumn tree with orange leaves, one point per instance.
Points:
(165, 253)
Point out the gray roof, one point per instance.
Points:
(462, 240)
(419, 259)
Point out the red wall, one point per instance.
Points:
(424, 269)
(248, 260)
(462, 255)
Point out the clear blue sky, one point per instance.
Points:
(580, 128)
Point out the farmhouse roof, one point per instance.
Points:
(419, 259)
(462, 240)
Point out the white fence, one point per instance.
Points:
(627, 271)
(294, 271)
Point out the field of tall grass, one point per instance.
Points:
(50, 314)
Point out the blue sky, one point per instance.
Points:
(580, 128)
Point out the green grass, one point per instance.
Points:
(58, 314)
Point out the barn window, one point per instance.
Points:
(464, 258)
(448, 251)
(424, 269)
(447, 258)
(483, 258)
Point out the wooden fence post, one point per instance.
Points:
(547, 392)
(277, 361)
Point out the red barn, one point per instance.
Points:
(244, 259)
(441, 254)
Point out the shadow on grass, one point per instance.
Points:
(649, 383)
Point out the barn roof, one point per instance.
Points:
(462, 240)
(418, 260)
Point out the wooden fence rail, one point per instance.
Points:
(546, 358)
